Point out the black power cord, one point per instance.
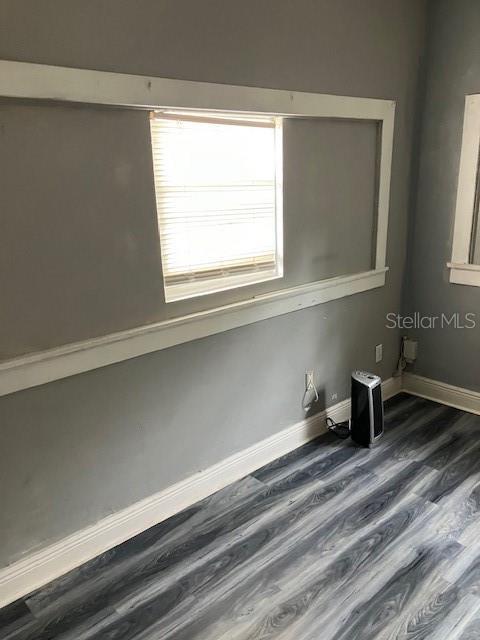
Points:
(340, 429)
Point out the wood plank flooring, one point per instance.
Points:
(330, 542)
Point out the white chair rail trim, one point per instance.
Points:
(53, 364)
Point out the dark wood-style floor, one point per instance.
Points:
(331, 542)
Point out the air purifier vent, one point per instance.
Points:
(367, 408)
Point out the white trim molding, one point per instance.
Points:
(25, 80)
(53, 364)
(36, 82)
(461, 270)
(464, 273)
(43, 566)
(448, 394)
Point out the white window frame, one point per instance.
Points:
(20, 80)
(185, 290)
(462, 271)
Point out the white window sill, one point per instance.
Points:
(183, 291)
(468, 274)
(61, 362)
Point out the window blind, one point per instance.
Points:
(215, 183)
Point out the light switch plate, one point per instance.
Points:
(410, 349)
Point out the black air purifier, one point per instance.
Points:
(366, 426)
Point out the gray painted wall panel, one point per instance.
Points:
(78, 449)
(453, 70)
(80, 249)
(80, 253)
(330, 171)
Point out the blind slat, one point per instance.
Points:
(215, 192)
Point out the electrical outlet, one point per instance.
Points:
(334, 396)
(309, 380)
(378, 353)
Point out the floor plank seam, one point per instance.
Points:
(329, 542)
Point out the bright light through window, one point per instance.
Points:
(218, 188)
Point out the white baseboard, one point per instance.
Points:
(442, 392)
(41, 567)
(391, 387)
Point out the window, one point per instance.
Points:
(218, 183)
(465, 263)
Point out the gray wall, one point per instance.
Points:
(78, 449)
(80, 251)
(452, 71)
(330, 176)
